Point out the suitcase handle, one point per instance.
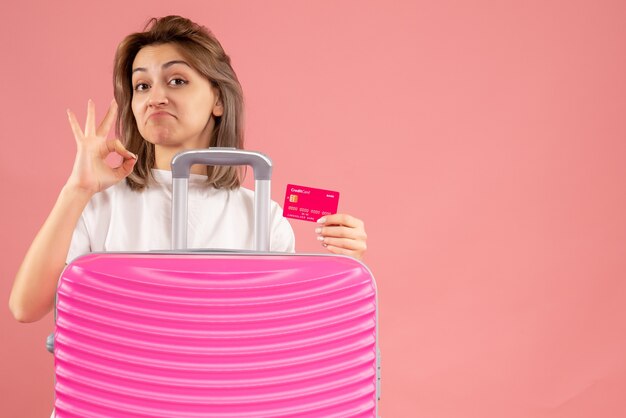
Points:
(181, 166)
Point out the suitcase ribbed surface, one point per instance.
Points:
(215, 335)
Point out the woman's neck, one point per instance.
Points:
(163, 159)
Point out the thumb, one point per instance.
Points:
(126, 167)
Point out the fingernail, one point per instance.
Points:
(318, 230)
(320, 238)
(321, 220)
(325, 245)
(134, 156)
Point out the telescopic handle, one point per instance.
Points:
(181, 166)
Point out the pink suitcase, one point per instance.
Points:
(216, 334)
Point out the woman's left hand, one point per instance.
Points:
(342, 234)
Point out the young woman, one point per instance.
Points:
(176, 91)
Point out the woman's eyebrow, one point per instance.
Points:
(166, 65)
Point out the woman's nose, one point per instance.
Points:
(158, 96)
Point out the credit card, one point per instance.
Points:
(308, 203)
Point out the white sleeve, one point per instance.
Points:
(80, 241)
(282, 236)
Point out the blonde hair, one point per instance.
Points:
(205, 54)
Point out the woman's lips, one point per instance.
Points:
(159, 114)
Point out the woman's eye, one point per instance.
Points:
(141, 86)
(177, 82)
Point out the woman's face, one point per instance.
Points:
(173, 104)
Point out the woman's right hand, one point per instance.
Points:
(91, 173)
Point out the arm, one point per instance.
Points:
(34, 287)
(32, 296)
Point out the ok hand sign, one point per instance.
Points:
(91, 173)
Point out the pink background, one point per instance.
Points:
(482, 142)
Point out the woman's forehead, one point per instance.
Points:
(154, 57)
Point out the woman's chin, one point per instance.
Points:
(161, 137)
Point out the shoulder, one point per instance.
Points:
(111, 193)
(247, 196)
(103, 201)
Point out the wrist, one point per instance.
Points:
(75, 192)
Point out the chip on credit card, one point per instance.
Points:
(308, 203)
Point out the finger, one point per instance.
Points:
(78, 133)
(116, 145)
(345, 243)
(90, 124)
(341, 232)
(341, 219)
(125, 168)
(343, 251)
(105, 125)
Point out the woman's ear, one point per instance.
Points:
(218, 108)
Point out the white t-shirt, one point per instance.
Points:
(120, 219)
